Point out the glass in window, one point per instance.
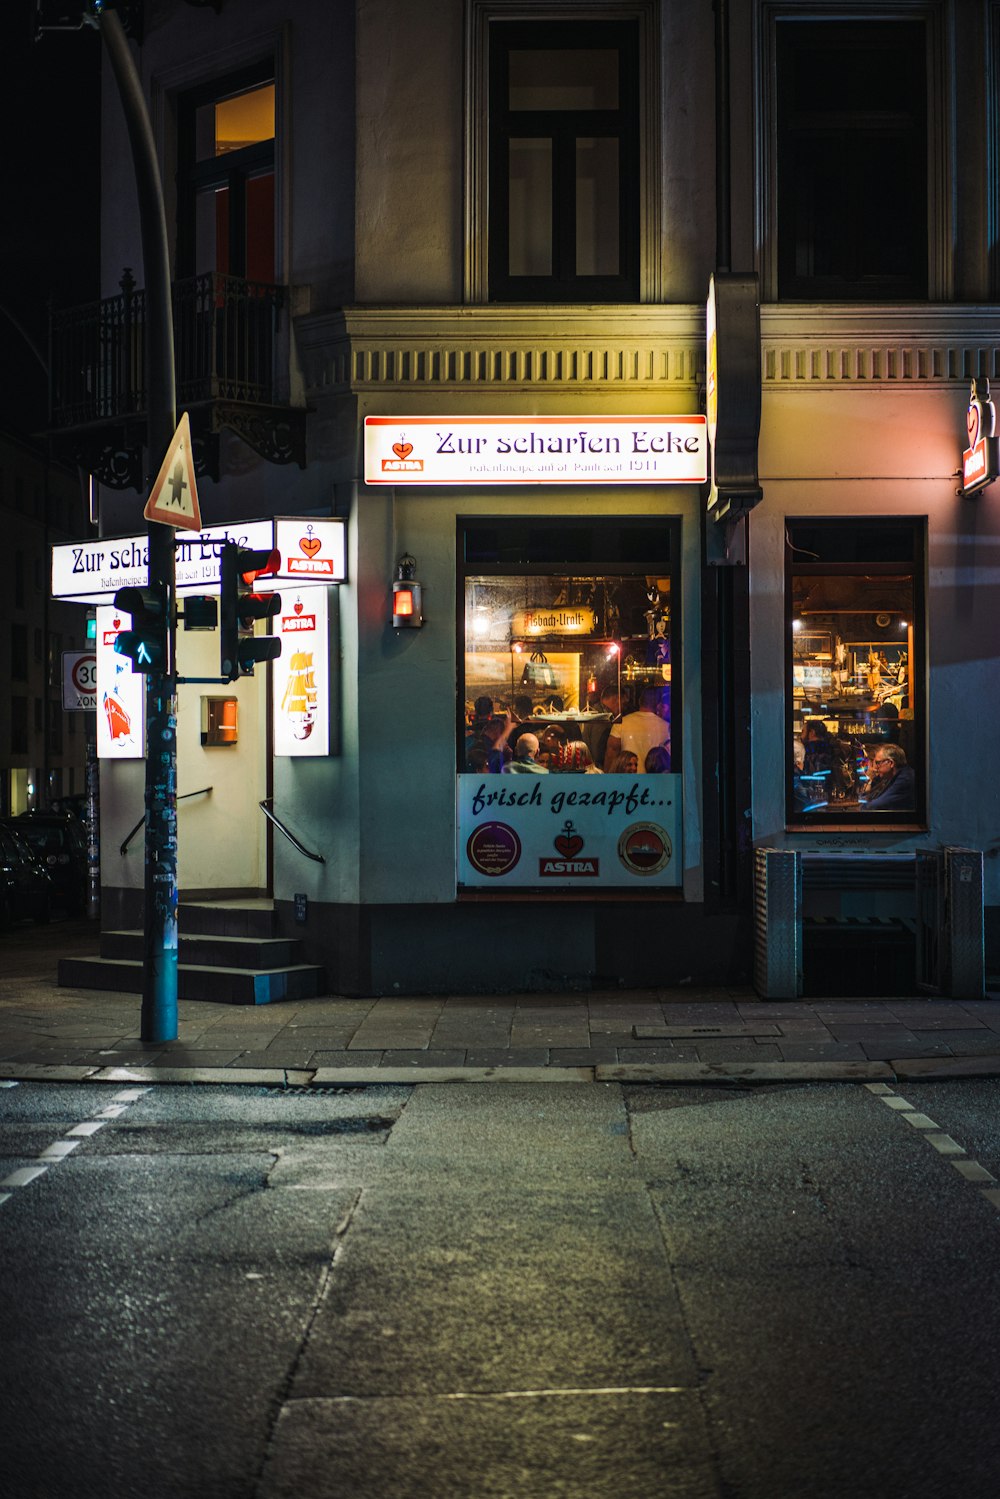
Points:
(855, 685)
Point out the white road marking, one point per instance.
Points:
(973, 1172)
(945, 1144)
(23, 1175)
(575, 1392)
(59, 1150)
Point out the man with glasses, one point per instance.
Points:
(893, 785)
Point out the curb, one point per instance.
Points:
(911, 1069)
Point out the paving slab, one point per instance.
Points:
(333, 1075)
(38, 1072)
(216, 1075)
(828, 1051)
(753, 1072)
(917, 1069)
(664, 1032)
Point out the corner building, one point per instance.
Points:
(443, 274)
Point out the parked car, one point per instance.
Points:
(25, 884)
(59, 842)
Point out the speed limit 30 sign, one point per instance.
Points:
(79, 681)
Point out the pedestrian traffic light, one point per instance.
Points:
(146, 644)
(240, 607)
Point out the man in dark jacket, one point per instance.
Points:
(893, 787)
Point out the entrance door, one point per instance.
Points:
(223, 774)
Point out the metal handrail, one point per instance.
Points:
(316, 858)
(183, 797)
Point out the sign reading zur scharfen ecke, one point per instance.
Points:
(535, 450)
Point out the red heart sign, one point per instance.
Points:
(972, 423)
(310, 545)
(298, 607)
(402, 449)
(568, 846)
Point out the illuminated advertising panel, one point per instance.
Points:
(120, 705)
(569, 831)
(300, 680)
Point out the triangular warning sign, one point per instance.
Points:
(173, 499)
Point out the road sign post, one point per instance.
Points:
(159, 966)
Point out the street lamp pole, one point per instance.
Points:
(159, 967)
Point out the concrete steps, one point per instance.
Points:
(227, 953)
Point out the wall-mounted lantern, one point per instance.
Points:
(407, 608)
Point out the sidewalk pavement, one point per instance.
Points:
(653, 1036)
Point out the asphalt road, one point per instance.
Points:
(514, 1292)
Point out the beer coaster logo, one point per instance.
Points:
(493, 848)
(402, 460)
(570, 859)
(644, 848)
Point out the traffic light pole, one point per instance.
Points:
(159, 968)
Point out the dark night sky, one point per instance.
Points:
(50, 122)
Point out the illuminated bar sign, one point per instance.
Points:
(91, 572)
(561, 619)
(535, 450)
(979, 460)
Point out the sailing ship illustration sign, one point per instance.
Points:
(301, 674)
(120, 716)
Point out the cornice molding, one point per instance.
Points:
(644, 349)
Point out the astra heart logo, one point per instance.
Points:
(298, 606)
(117, 624)
(402, 449)
(972, 423)
(568, 842)
(310, 545)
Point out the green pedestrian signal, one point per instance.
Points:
(146, 643)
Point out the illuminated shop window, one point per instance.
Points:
(566, 629)
(855, 673)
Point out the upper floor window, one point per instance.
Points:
(563, 161)
(225, 178)
(851, 198)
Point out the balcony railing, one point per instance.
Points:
(224, 347)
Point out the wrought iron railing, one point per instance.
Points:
(224, 348)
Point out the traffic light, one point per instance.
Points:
(146, 643)
(240, 607)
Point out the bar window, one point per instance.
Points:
(855, 698)
(567, 632)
